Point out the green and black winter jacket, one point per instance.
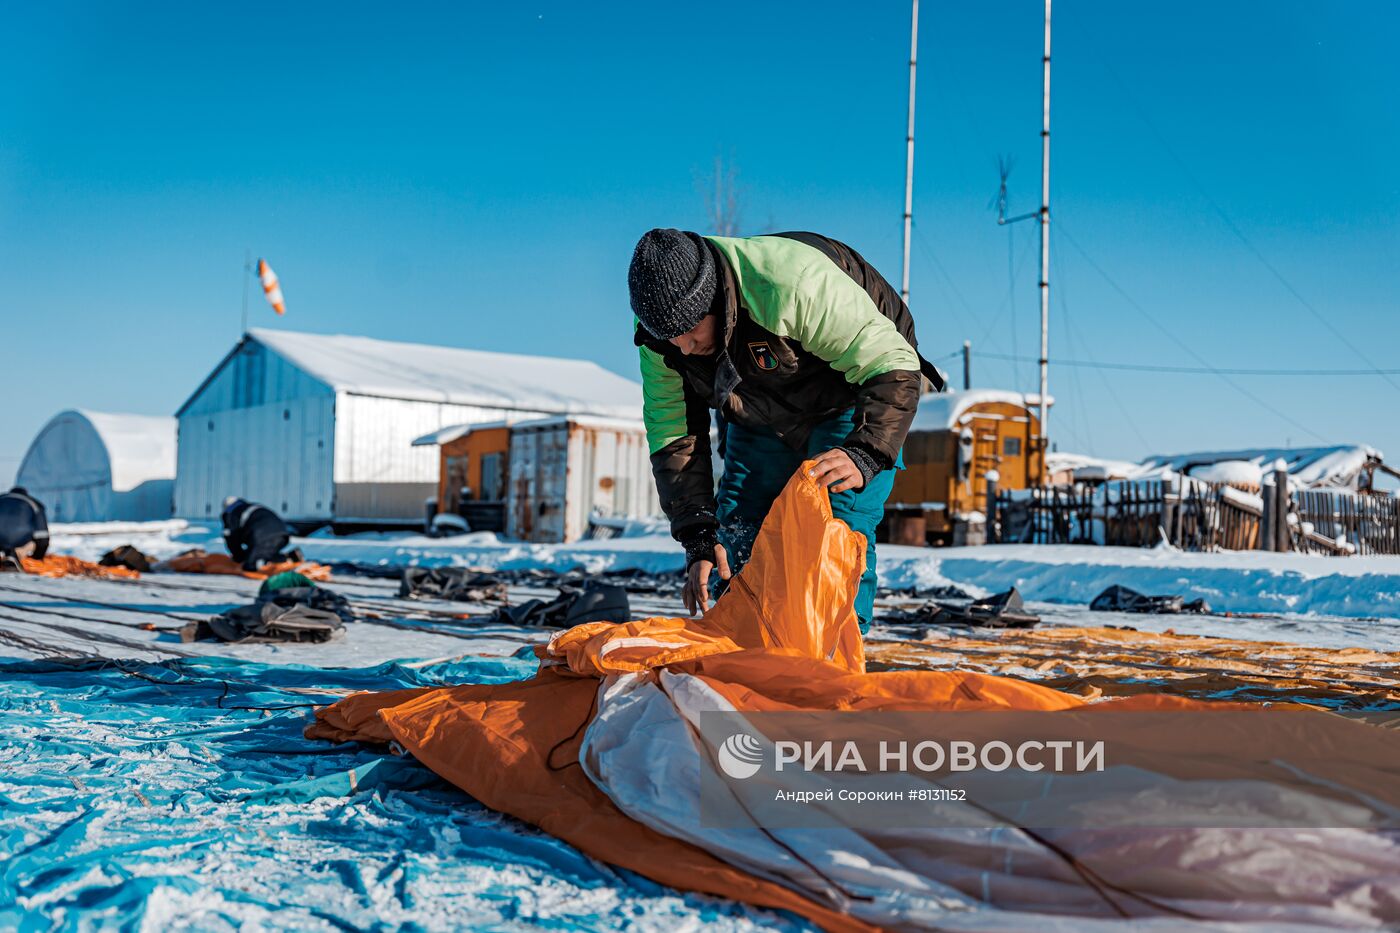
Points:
(808, 329)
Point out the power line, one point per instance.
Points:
(1081, 410)
(1232, 226)
(948, 279)
(1005, 303)
(1192, 370)
(1132, 303)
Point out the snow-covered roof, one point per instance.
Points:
(453, 432)
(1307, 466)
(1085, 467)
(138, 448)
(584, 421)
(1235, 472)
(366, 366)
(141, 447)
(944, 410)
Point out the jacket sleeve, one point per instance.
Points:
(678, 437)
(795, 291)
(236, 539)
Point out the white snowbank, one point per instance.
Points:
(1237, 581)
(1231, 581)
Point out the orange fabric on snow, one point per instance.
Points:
(514, 747)
(222, 564)
(61, 565)
(795, 595)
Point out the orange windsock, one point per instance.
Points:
(271, 288)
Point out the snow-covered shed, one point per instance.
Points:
(320, 427)
(92, 466)
(956, 440)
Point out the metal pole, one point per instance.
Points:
(1045, 248)
(909, 152)
(247, 270)
(967, 364)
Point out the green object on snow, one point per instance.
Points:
(289, 580)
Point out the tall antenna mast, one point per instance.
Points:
(909, 151)
(247, 271)
(1045, 250)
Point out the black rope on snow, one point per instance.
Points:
(70, 600)
(219, 703)
(70, 615)
(94, 637)
(43, 648)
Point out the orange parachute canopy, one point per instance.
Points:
(61, 565)
(221, 564)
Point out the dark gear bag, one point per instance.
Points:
(591, 602)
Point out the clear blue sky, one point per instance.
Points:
(477, 174)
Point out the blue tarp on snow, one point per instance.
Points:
(182, 794)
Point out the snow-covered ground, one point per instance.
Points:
(1233, 581)
(1230, 581)
(164, 784)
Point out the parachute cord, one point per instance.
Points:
(549, 756)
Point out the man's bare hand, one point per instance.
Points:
(835, 470)
(696, 594)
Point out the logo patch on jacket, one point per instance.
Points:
(763, 355)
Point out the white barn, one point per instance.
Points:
(91, 466)
(321, 428)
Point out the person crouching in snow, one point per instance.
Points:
(24, 528)
(255, 534)
(805, 351)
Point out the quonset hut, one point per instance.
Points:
(321, 428)
(91, 466)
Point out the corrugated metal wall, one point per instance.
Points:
(253, 377)
(261, 429)
(279, 454)
(379, 474)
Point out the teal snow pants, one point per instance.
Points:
(757, 465)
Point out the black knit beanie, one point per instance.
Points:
(672, 282)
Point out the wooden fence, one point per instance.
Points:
(1367, 524)
(1202, 517)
